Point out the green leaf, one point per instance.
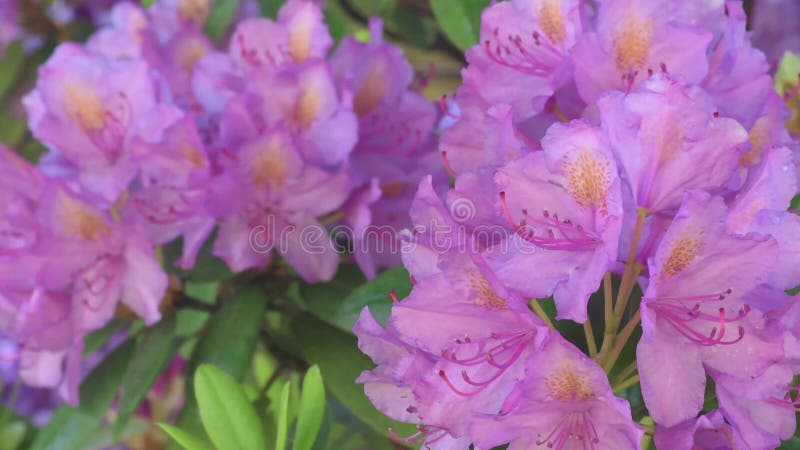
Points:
(208, 267)
(282, 418)
(11, 67)
(228, 417)
(228, 343)
(147, 3)
(222, 12)
(98, 338)
(12, 435)
(338, 304)
(269, 8)
(70, 427)
(340, 363)
(460, 20)
(183, 438)
(154, 351)
(312, 409)
(336, 19)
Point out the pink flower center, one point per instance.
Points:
(530, 55)
(574, 431)
(688, 317)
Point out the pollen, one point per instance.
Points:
(632, 44)
(588, 180)
(373, 88)
(565, 384)
(683, 252)
(551, 19)
(80, 219)
(485, 295)
(84, 107)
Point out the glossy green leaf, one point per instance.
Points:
(228, 417)
(338, 304)
(70, 427)
(340, 362)
(228, 343)
(154, 350)
(312, 409)
(222, 12)
(460, 20)
(282, 418)
(183, 438)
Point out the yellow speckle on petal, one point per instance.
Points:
(551, 19)
(84, 107)
(193, 155)
(194, 11)
(269, 165)
(300, 39)
(565, 384)
(588, 179)
(80, 219)
(681, 254)
(632, 44)
(307, 106)
(372, 89)
(485, 295)
(759, 140)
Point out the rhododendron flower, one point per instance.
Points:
(523, 54)
(631, 41)
(707, 432)
(696, 312)
(89, 110)
(563, 402)
(565, 208)
(668, 138)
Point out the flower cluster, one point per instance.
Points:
(593, 140)
(154, 134)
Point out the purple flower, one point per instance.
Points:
(668, 138)
(630, 42)
(707, 432)
(737, 74)
(772, 33)
(395, 146)
(564, 401)
(91, 110)
(697, 309)
(523, 54)
(565, 209)
(169, 196)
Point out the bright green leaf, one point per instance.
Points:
(70, 427)
(460, 20)
(228, 343)
(282, 418)
(312, 409)
(340, 363)
(12, 435)
(227, 415)
(147, 3)
(153, 352)
(183, 438)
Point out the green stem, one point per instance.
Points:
(537, 308)
(620, 341)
